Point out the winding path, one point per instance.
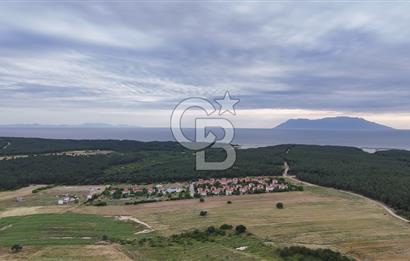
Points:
(380, 204)
(129, 218)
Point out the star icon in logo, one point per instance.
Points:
(227, 104)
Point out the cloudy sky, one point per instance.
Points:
(130, 63)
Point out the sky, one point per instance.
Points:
(72, 62)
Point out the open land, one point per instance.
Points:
(316, 217)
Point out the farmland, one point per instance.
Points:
(55, 216)
(61, 229)
(316, 217)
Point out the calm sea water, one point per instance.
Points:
(399, 139)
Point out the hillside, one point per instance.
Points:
(332, 123)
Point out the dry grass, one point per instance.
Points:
(317, 217)
(24, 211)
(67, 253)
(44, 198)
(7, 195)
(73, 153)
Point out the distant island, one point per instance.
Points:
(333, 123)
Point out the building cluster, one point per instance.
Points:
(160, 189)
(201, 187)
(67, 199)
(237, 186)
(149, 190)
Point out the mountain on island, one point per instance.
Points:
(332, 123)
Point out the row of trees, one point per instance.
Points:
(294, 252)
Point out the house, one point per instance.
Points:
(60, 202)
(269, 188)
(171, 190)
(243, 189)
(135, 190)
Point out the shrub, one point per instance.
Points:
(279, 205)
(229, 202)
(100, 204)
(203, 213)
(322, 254)
(211, 230)
(16, 248)
(141, 202)
(226, 227)
(42, 188)
(202, 200)
(104, 238)
(240, 229)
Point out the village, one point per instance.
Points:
(238, 186)
(198, 189)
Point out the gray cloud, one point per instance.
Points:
(338, 57)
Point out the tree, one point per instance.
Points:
(104, 238)
(203, 213)
(202, 200)
(226, 227)
(240, 229)
(279, 205)
(16, 248)
(229, 202)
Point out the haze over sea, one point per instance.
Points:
(398, 139)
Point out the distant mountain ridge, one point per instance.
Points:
(83, 125)
(333, 123)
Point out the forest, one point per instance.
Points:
(18, 146)
(384, 176)
(139, 164)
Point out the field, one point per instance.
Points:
(317, 218)
(67, 253)
(62, 229)
(43, 198)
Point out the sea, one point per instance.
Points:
(368, 140)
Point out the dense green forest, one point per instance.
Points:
(133, 162)
(384, 176)
(58, 169)
(37, 146)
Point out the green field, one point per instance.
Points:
(61, 229)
